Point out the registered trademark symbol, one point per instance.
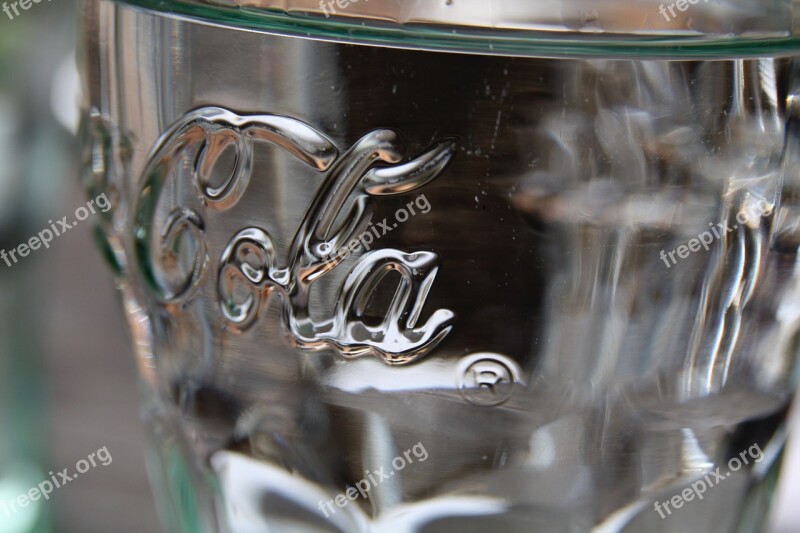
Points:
(487, 379)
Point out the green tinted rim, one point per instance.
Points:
(474, 40)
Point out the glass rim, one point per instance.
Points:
(478, 40)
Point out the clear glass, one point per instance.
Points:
(378, 288)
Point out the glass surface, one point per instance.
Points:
(392, 290)
(554, 28)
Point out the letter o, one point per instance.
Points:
(78, 466)
(403, 212)
(738, 464)
(85, 215)
(402, 463)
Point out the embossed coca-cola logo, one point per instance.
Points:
(374, 167)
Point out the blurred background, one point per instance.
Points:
(68, 385)
(67, 379)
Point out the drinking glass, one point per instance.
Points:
(453, 266)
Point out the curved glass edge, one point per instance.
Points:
(475, 41)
